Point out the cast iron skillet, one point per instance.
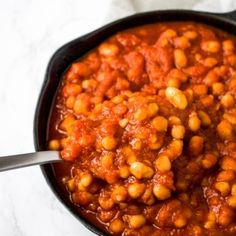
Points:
(71, 51)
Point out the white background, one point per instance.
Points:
(30, 31)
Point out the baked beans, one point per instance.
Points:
(146, 122)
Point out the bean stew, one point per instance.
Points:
(146, 124)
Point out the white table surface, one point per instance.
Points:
(30, 31)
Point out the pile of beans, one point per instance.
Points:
(147, 123)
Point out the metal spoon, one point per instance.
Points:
(29, 159)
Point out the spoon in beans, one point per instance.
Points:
(29, 159)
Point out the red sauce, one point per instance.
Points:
(146, 122)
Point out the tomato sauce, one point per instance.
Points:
(146, 123)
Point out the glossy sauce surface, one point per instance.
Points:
(147, 122)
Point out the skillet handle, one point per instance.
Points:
(230, 15)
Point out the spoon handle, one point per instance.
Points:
(29, 159)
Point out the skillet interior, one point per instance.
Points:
(64, 56)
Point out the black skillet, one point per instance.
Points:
(71, 51)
